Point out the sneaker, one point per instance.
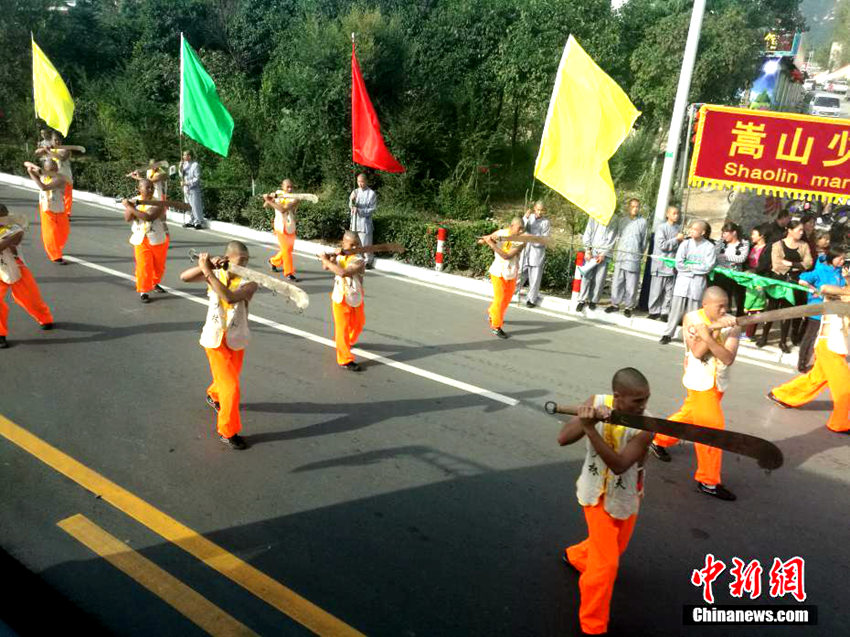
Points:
(159, 288)
(145, 297)
(273, 267)
(591, 306)
(234, 442)
(292, 277)
(660, 452)
(497, 331)
(718, 491)
(627, 313)
(665, 340)
(47, 326)
(213, 403)
(664, 318)
(60, 261)
(653, 317)
(611, 309)
(530, 304)
(4, 344)
(580, 306)
(352, 367)
(773, 398)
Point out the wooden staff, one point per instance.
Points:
(765, 452)
(177, 205)
(380, 247)
(520, 238)
(799, 311)
(297, 196)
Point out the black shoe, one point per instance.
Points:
(273, 267)
(188, 225)
(370, 266)
(653, 317)
(213, 403)
(627, 313)
(159, 288)
(660, 452)
(665, 340)
(60, 261)
(530, 304)
(718, 491)
(664, 318)
(784, 347)
(4, 344)
(591, 306)
(292, 277)
(497, 331)
(611, 309)
(761, 342)
(200, 226)
(773, 398)
(234, 442)
(47, 326)
(145, 297)
(580, 306)
(352, 367)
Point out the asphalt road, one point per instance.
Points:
(428, 498)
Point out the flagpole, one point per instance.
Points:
(180, 124)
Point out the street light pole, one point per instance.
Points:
(679, 107)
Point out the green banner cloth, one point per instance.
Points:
(202, 115)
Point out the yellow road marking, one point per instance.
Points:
(172, 591)
(269, 590)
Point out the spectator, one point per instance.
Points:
(362, 203)
(631, 232)
(777, 229)
(668, 236)
(821, 243)
(190, 175)
(808, 221)
(732, 253)
(828, 270)
(789, 258)
(534, 222)
(758, 262)
(695, 258)
(598, 242)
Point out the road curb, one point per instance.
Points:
(452, 282)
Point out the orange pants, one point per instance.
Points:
(830, 370)
(597, 559)
(503, 290)
(150, 264)
(225, 365)
(701, 408)
(68, 198)
(348, 323)
(283, 258)
(55, 228)
(26, 294)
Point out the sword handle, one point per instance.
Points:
(551, 407)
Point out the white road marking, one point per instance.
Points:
(410, 369)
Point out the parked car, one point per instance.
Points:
(825, 105)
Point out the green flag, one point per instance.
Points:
(202, 115)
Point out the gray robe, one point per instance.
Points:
(631, 243)
(191, 175)
(666, 245)
(691, 277)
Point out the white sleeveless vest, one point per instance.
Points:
(702, 375)
(10, 271)
(51, 200)
(622, 492)
(284, 222)
(348, 288)
(505, 268)
(156, 231)
(225, 320)
(837, 333)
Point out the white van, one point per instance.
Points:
(825, 105)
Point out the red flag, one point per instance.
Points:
(367, 145)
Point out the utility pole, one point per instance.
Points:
(679, 107)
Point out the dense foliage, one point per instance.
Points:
(461, 88)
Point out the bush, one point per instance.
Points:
(107, 178)
(326, 220)
(12, 158)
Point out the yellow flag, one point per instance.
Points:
(53, 102)
(589, 117)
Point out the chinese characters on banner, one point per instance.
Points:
(780, 154)
(784, 578)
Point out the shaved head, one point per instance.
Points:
(628, 380)
(350, 235)
(715, 302)
(237, 246)
(714, 294)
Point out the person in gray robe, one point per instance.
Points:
(598, 242)
(695, 258)
(533, 256)
(668, 236)
(362, 203)
(190, 175)
(632, 234)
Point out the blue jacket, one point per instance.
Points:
(823, 274)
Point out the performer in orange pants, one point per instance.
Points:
(150, 239)
(285, 211)
(15, 275)
(711, 344)
(830, 369)
(55, 226)
(347, 298)
(61, 153)
(503, 272)
(609, 489)
(225, 335)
